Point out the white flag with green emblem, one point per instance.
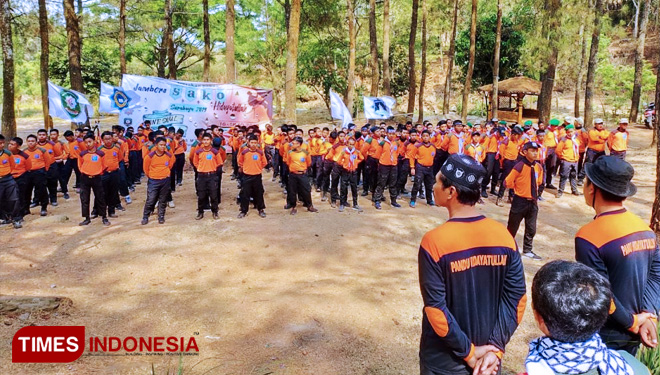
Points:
(68, 104)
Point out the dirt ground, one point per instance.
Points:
(325, 293)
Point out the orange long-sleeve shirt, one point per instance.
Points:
(298, 161)
(181, 147)
(372, 148)
(54, 150)
(158, 167)
(39, 158)
(568, 149)
(550, 139)
(91, 163)
(350, 158)
(389, 153)
(111, 158)
(20, 164)
(520, 179)
(597, 139)
(252, 162)
(438, 140)
(509, 149)
(423, 154)
(477, 152)
(454, 143)
(6, 163)
(207, 161)
(618, 141)
(193, 148)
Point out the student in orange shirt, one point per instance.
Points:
(157, 167)
(568, 152)
(269, 146)
(180, 156)
(492, 138)
(21, 167)
(408, 141)
(422, 157)
(72, 151)
(251, 161)
(54, 150)
(618, 140)
(349, 159)
(298, 162)
(323, 178)
(91, 165)
(119, 140)
(207, 160)
(9, 201)
(387, 169)
(508, 156)
(335, 174)
(110, 177)
(40, 161)
(371, 150)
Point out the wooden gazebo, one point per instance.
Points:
(510, 99)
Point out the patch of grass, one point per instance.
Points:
(650, 357)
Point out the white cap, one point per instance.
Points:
(494, 119)
(579, 120)
(568, 119)
(623, 121)
(598, 121)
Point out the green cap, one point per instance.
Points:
(470, 124)
(554, 122)
(570, 127)
(529, 123)
(502, 122)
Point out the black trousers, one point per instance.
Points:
(87, 185)
(110, 182)
(592, 155)
(234, 162)
(370, 175)
(69, 167)
(9, 197)
(550, 165)
(135, 160)
(123, 180)
(277, 163)
(360, 173)
(316, 169)
(299, 187)
(386, 178)
(528, 210)
(36, 180)
(252, 187)
(492, 172)
(568, 171)
(334, 182)
(507, 167)
(23, 205)
(157, 191)
(326, 171)
(179, 163)
(423, 175)
(619, 154)
(402, 173)
(581, 172)
(207, 188)
(52, 180)
(284, 173)
(348, 179)
(269, 150)
(438, 160)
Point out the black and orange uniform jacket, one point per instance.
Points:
(454, 143)
(389, 152)
(158, 167)
(349, 159)
(20, 164)
(193, 148)
(252, 162)
(597, 139)
(423, 154)
(39, 158)
(525, 179)
(6, 163)
(111, 157)
(473, 289)
(207, 161)
(622, 247)
(568, 149)
(618, 140)
(371, 147)
(298, 161)
(54, 150)
(91, 163)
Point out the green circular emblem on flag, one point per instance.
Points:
(70, 103)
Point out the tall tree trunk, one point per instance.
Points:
(169, 40)
(412, 84)
(8, 109)
(207, 42)
(292, 62)
(230, 55)
(122, 36)
(422, 80)
(655, 212)
(548, 83)
(43, 64)
(450, 60)
(496, 60)
(162, 57)
(350, 76)
(468, 76)
(593, 61)
(639, 60)
(580, 72)
(73, 39)
(287, 14)
(373, 42)
(655, 126)
(386, 48)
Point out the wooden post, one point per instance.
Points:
(519, 101)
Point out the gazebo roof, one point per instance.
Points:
(515, 85)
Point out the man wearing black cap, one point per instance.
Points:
(621, 247)
(473, 287)
(525, 179)
(509, 155)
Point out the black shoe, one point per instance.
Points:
(199, 216)
(94, 215)
(85, 222)
(550, 186)
(364, 193)
(241, 215)
(288, 207)
(145, 220)
(333, 204)
(215, 216)
(120, 207)
(559, 194)
(484, 194)
(17, 225)
(531, 255)
(580, 183)
(33, 204)
(312, 209)
(113, 215)
(576, 193)
(161, 220)
(66, 196)
(422, 196)
(431, 203)
(44, 213)
(493, 192)
(293, 211)
(105, 221)
(377, 205)
(394, 204)
(54, 203)
(262, 213)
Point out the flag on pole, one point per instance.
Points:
(115, 99)
(378, 107)
(338, 109)
(68, 104)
